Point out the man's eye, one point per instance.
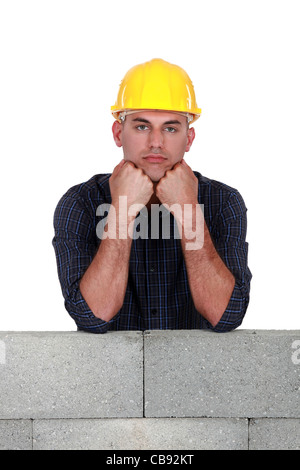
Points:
(142, 127)
(170, 129)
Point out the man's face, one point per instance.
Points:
(154, 140)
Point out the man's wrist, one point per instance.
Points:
(120, 219)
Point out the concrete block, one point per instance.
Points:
(274, 434)
(15, 435)
(71, 375)
(141, 434)
(243, 373)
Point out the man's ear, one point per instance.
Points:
(117, 133)
(191, 136)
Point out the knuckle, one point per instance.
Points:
(129, 166)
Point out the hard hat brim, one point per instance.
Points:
(116, 112)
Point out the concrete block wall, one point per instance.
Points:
(166, 390)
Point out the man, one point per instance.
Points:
(115, 277)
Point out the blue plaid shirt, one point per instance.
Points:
(157, 294)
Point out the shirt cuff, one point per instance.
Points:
(83, 316)
(235, 311)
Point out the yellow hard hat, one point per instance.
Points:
(156, 85)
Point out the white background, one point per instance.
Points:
(61, 66)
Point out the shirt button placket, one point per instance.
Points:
(152, 270)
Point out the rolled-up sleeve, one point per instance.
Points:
(232, 247)
(75, 246)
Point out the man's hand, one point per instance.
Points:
(127, 180)
(178, 186)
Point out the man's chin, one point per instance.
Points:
(155, 174)
(155, 177)
(155, 180)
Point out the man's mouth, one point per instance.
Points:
(154, 158)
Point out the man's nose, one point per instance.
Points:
(156, 139)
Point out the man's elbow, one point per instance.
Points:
(224, 321)
(213, 314)
(108, 312)
(226, 327)
(232, 314)
(230, 320)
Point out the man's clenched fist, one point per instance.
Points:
(127, 180)
(178, 186)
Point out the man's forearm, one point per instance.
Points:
(104, 283)
(211, 283)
